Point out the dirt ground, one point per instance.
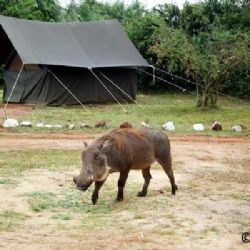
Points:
(16, 110)
(210, 210)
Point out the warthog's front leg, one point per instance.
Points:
(95, 195)
(121, 183)
(147, 176)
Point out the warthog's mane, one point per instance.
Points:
(117, 136)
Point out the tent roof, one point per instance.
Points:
(86, 44)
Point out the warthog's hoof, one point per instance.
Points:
(174, 189)
(94, 201)
(94, 198)
(119, 199)
(141, 194)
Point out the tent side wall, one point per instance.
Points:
(40, 86)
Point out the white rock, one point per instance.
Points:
(198, 127)
(57, 126)
(26, 124)
(84, 125)
(48, 126)
(40, 125)
(144, 124)
(71, 126)
(10, 123)
(169, 126)
(237, 128)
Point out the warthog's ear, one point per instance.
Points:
(85, 144)
(106, 146)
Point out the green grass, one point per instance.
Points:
(157, 108)
(209, 229)
(107, 212)
(5, 181)
(9, 219)
(14, 162)
(61, 217)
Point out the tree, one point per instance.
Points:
(71, 12)
(220, 54)
(48, 10)
(206, 58)
(171, 14)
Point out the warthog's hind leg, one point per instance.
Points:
(121, 183)
(166, 163)
(147, 176)
(95, 195)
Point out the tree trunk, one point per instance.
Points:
(216, 93)
(205, 99)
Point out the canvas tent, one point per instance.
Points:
(70, 51)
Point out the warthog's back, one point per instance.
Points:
(134, 148)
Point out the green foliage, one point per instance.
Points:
(48, 10)
(194, 20)
(89, 10)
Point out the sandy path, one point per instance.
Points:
(74, 141)
(209, 211)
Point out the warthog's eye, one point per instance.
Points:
(96, 155)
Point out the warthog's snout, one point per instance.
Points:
(80, 186)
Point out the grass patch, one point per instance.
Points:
(61, 217)
(5, 181)
(210, 229)
(38, 206)
(157, 108)
(246, 198)
(228, 176)
(14, 162)
(40, 200)
(9, 219)
(107, 212)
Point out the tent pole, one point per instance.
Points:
(11, 92)
(153, 69)
(124, 110)
(121, 89)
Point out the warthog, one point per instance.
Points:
(121, 150)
